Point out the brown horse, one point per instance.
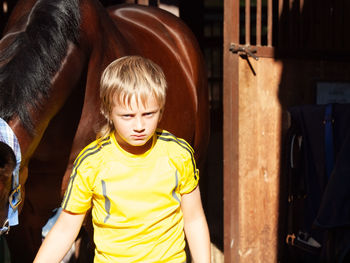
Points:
(51, 58)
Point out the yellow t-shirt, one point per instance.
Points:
(135, 199)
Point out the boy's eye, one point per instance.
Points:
(127, 116)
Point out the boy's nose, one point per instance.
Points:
(139, 125)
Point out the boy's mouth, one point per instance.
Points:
(138, 137)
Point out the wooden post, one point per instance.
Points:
(230, 132)
(252, 141)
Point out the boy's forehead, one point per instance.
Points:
(135, 101)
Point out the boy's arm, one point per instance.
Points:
(195, 226)
(60, 238)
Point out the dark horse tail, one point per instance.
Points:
(34, 56)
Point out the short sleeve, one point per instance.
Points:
(189, 173)
(77, 198)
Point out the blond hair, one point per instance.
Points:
(127, 77)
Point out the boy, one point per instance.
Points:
(141, 182)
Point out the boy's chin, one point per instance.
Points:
(140, 143)
(137, 144)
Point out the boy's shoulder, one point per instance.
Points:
(94, 148)
(172, 142)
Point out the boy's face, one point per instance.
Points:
(135, 124)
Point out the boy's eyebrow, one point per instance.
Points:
(123, 112)
(126, 108)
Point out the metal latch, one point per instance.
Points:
(247, 50)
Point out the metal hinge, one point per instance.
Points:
(246, 50)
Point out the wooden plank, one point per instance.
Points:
(269, 23)
(282, 23)
(259, 139)
(230, 135)
(290, 17)
(247, 22)
(258, 22)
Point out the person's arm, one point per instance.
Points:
(60, 238)
(195, 226)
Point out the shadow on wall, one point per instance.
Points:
(313, 43)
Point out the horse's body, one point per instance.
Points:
(58, 116)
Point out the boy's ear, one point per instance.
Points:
(104, 114)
